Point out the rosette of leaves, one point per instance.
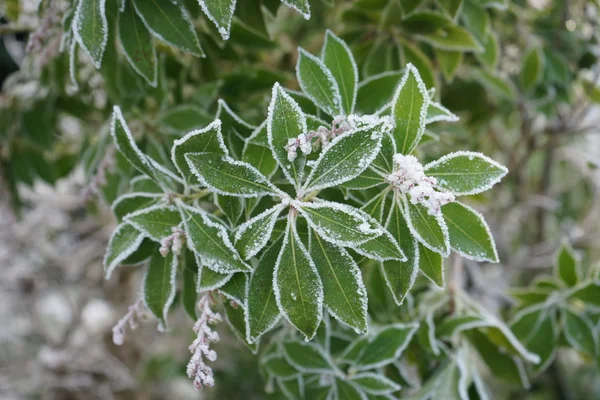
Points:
(278, 226)
(559, 310)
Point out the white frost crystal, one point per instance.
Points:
(410, 178)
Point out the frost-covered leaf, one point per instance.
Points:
(354, 350)
(537, 329)
(318, 83)
(386, 346)
(431, 265)
(567, 265)
(206, 140)
(160, 285)
(400, 275)
(156, 222)
(382, 248)
(376, 206)
(437, 112)
(338, 223)
(373, 383)
(348, 390)
(131, 202)
(278, 366)
(90, 28)
(343, 287)
(262, 310)
(452, 38)
(253, 235)
(367, 179)
(237, 322)
(347, 156)
(307, 358)
(124, 241)
(339, 60)
(189, 272)
(226, 176)
(235, 290)
(137, 44)
(533, 68)
(376, 91)
(143, 184)
(469, 234)
(465, 172)
(589, 293)
(220, 12)
(456, 324)
(286, 121)
(409, 108)
(257, 152)
(580, 332)
(142, 254)
(293, 389)
(450, 7)
(210, 241)
(430, 230)
(169, 22)
(302, 6)
(298, 288)
(232, 207)
(209, 279)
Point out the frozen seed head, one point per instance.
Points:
(409, 177)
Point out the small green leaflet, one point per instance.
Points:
(386, 346)
(236, 321)
(298, 288)
(567, 265)
(536, 328)
(156, 222)
(318, 83)
(465, 172)
(451, 7)
(262, 310)
(90, 28)
(376, 384)
(253, 235)
(257, 152)
(580, 332)
(589, 293)
(449, 62)
(409, 108)
(347, 156)
(533, 68)
(226, 176)
(286, 121)
(235, 290)
(469, 234)
(124, 241)
(131, 202)
(383, 248)
(348, 390)
(210, 241)
(302, 6)
(339, 60)
(206, 140)
(160, 285)
(452, 38)
(343, 287)
(279, 367)
(231, 206)
(220, 12)
(431, 265)
(307, 358)
(430, 230)
(137, 44)
(169, 22)
(376, 91)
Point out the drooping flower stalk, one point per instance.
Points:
(135, 312)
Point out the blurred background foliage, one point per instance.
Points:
(522, 75)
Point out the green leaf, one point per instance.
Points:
(226, 176)
(235, 319)
(160, 285)
(169, 22)
(338, 223)
(410, 6)
(502, 87)
(451, 7)
(409, 108)
(307, 358)
(302, 6)
(253, 235)
(430, 230)
(318, 83)
(220, 12)
(469, 234)
(580, 332)
(298, 288)
(131, 202)
(262, 310)
(210, 241)
(386, 346)
(90, 28)
(367, 179)
(124, 240)
(381, 248)
(156, 222)
(286, 121)
(189, 296)
(452, 38)
(431, 265)
(184, 118)
(491, 53)
(142, 254)
(347, 156)
(567, 265)
(532, 70)
(465, 172)
(280, 368)
(348, 390)
(376, 384)
(208, 279)
(343, 287)
(400, 275)
(340, 62)
(235, 290)
(376, 91)
(292, 388)
(456, 324)
(232, 207)
(449, 62)
(258, 153)
(536, 329)
(589, 293)
(206, 140)
(137, 44)
(143, 184)
(476, 19)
